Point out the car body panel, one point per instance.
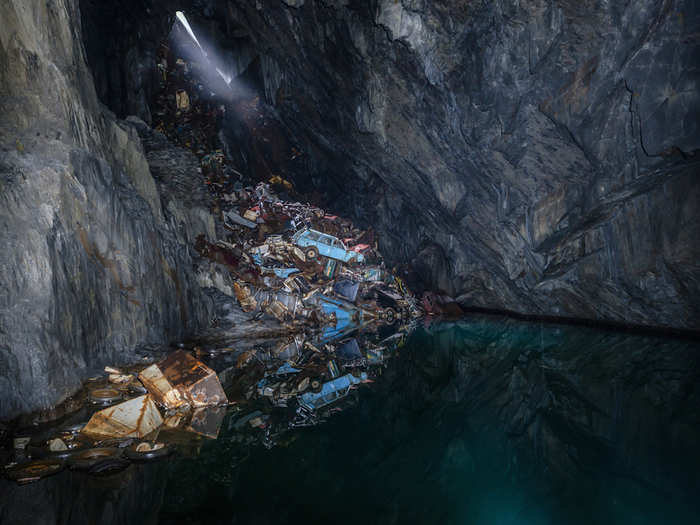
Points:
(327, 245)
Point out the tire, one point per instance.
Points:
(86, 459)
(44, 453)
(311, 253)
(104, 396)
(34, 470)
(150, 455)
(73, 428)
(107, 466)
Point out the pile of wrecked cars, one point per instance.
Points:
(315, 275)
(303, 266)
(151, 411)
(305, 381)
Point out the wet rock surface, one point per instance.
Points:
(92, 264)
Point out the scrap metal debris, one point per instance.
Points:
(315, 275)
(181, 379)
(134, 418)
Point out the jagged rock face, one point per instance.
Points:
(545, 151)
(548, 147)
(94, 262)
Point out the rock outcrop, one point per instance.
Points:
(96, 253)
(538, 156)
(548, 148)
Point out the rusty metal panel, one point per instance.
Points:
(190, 381)
(245, 298)
(134, 418)
(161, 389)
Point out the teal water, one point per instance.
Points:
(482, 421)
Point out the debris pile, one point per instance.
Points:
(300, 265)
(286, 259)
(181, 380)
(318, 277)
(301, 381)
(168, 405)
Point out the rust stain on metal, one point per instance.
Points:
(181, 379)
(134, 418)
(207, 421)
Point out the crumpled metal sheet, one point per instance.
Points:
(183, 380)
(134, 418)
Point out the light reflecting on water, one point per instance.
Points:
(483, 421)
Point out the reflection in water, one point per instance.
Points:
(486, 420)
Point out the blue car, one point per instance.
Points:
(331, 391)
(315, 243)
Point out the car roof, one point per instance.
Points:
(321, 233)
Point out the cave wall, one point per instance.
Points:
(121, 41)
(538, 157)
(95, 257)
(548, 148)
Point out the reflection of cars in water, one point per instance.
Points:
(316, 243)
(331, 391)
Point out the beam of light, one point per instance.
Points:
(183, 20)
(181, 17)
(227, 78)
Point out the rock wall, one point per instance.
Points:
(536, 156)
(93, 261)
(542, 155)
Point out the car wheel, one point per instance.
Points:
(34, 470)
(390, 315)
(147, 455)
(85, 459)
(43, 453)
(108, 466)
(311, 253)
(104, 396)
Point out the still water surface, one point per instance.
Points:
(482, 421)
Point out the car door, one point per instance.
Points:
(336, 251)
(324, 246)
